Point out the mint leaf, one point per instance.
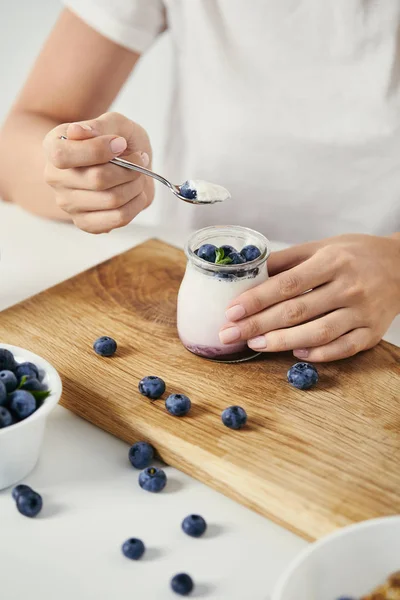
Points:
(220, 258)
(24, 379)
(219, 255)
(225, 261)
(40, 395)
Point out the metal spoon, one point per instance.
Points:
(175, 189)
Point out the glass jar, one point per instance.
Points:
(207, 289)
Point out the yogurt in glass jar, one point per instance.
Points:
(208, 288)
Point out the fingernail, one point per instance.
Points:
(235, 313)
(257, 343)
(118, 145)
(227, 336)
(145, 158)
(84, 126)
(301, 353)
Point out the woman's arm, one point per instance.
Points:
(76, 77)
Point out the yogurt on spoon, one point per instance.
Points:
(203, 191)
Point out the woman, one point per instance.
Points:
(293, 106)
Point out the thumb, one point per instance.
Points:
(283, 260)
(82, 131)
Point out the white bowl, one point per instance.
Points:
(20, 444)
(351, 562)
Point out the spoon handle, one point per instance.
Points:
(121, 162)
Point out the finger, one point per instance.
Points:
(310, 274)
(103, 221)
(82, 201)
(315, 333)
(82, 131)
(68, 154)
(345, 346)
(97, 178)
(283, 260)
(287, 314)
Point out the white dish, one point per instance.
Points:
(350, 563)
(20, 444)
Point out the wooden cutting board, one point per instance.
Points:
(312, 461)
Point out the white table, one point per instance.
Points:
(92, 500)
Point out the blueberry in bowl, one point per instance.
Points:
(24, 410)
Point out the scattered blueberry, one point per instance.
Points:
(141, 455)
(234, 417)
(187, 191)
(133, 548)
(302, 376)
(182, 584)
(9, 379)
(20, 489)
(151, 386)
(7, 361)
(152, 479)
(22, 404)
(194, 525)
(3, 394)
(228, 250)
(5, 418)
(236, 258)
(33, 385)
(29, 503)
(105, 346)
(250, 253)
(178, 405)
(26, 369)
(207, 252)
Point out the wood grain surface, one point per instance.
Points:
(312, 461)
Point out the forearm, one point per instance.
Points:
(22, 164)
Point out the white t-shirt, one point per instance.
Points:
(292, 105)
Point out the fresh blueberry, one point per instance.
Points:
(178, 405)
(3, 394)
(105, 346)
(20, 489)
(250, 253)
(9, 380)
(22, 404)
(302, 376)
(151, 386)
(194, 525)
(227, 249)
(5, 418)
(182, 584)
(133, 548)
(187, 191)
(7, 361)
(33, 385)
(29, 503)
(236, 258)
(141, 455)
(207, 252)
(28, 370)
(152, 479)
(234, 417)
